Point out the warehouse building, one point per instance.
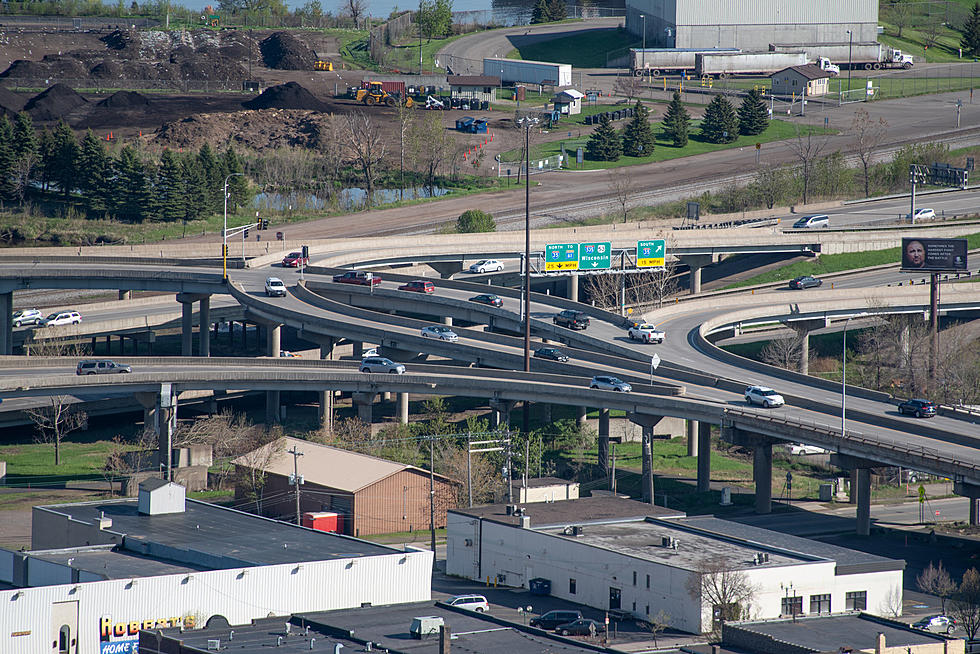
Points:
(101, 571)
(750, 26)
(622, 555)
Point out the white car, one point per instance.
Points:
(476, 603)
(803, 449)
(370, 352)
(487, 265)
(381, 364)
(923, 214)
(274, 287)
(646, 332)
(62, 318)
(763, 395)
(27, 317)
(604, 383)
(440, 332)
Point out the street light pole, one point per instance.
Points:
(527, 123)
(843, 381)
(224, 232)
(643, 22)
(850, 43)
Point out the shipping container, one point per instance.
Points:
(529, 72)
(388, 86)
(665, 61)
(746, 63)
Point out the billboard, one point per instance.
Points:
(934, 254)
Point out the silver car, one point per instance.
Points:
(603, 383)
(440, 332)
(27, 317)
(381, 364)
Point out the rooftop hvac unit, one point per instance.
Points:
(214, 644)
(578, 530)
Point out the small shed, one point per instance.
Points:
(542, 489)
(568, 102)
(797, 79)
(474, 87)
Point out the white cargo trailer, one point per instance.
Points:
(866, 55)
(666, 61)
(528, 72)
(746, 63)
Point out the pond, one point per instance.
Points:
(348, 199)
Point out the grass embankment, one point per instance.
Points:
(587, 50)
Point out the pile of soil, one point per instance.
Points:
(256, 130)
(286, 96)
(54, 103)
(11, 103)
(123, 100)
(284, 51)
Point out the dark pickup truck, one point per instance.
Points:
(572, 319)
(358, 277)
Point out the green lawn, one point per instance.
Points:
(32, 464)
(586, 50)
(778, 131)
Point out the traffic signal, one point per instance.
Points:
(224, 250)
(306, 252)
(245, 233)
(265, 223)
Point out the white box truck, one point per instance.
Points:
(746, 63)
(867, 55)
(667, 61)
(528, 72)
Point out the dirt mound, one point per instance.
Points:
(10, 101)
(107, 70)
(54, 103)
(125, 100)
(257, 130)
(284, 51)
(285, 96)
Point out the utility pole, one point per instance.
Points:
(297, 480)
(469, 466)
(432, 498)
(510, 473)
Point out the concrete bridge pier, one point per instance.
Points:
(273, 344)
(447, 320)
(692, 437)
(860, 488)
(187, 301)
(604, 440)
(160, 414)
(704, 457)
(365, 406)
(125, 295)
(696, 262)
(358, 349)
(573, 287)
(647, 422)
(581, 416)
(204, 327)
(326, 397)
(403, 408)
(6, 322)
(500, 413)
(446, 269)
(761, 463)
(803, 329)
(973, 493)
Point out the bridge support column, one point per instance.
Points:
(860, 488)
(358, 349)
(692, 437)
(271, 408)
(761, 463)
(573, 287)
(604, 440)
(696, 262)
(187, 329)
(125, 295)
(546, 408)
(803, 329)
(6, 322)
(273, 344)
(160, 415)
(326, 397)
(204, 327)
(447, 320)
(581, 416)
(403, 408)
(365, 406)
(647, 422)
(446, 269)
(500, 413)
(973, 494)
(704, 457)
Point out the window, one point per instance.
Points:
(648, 584)
(792, 606)
(820, 603)
(634, 577)
(856, 600)
(571, 586)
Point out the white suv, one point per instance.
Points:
(476, 603)
(62, 318)
(274, 287)
(27, 317)
(763, 395)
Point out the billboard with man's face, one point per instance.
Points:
(934, 254)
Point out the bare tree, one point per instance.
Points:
(250, 467)
(628, 86)
(965, 603)
(868, 133)
(55, 419)
(720, 586)
(655, 286)
(772, 183)
(931, 32)
(622, 184)
(900, 15)
(430, 145)
(934, 580)
(656, 625)
(405, 117)
(891, 603)
(355, 9)
(784, 352)
(807, 148)
(367, 145)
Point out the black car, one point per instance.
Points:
(918, 408)
(572, 319)
(488, 298)
(552, 619)
(806, 281)
(583, 627)
(551, 353)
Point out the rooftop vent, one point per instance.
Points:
(669, 542)
(578, 530)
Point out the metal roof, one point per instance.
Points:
(571, 512)
(829, 632)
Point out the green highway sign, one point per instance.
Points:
(651, 254)
(561, 256)
(594, 256)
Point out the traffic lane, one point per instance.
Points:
(945, 203)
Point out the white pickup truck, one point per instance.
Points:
(647, 333)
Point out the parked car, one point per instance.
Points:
(646, 332)
(805, 281)
(812, 222)
(803, 449)
(418, 286)
(582, 627)
(440, 332)
(62, 318)
(381, 364)
(763, 395)
(295, 260)
(935, 623)
(370, 352)
(922, 214)
(23, 317)
(476, 603)
(552, 619)
(286, 354)
(572, 319)
(488, 298)
(101, 367)
(550, 353)
(918, 408)
(604, 383)
(274, 287)
(358, 277)
(486, 265)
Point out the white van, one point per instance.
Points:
(812, 222)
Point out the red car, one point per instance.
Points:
(295, 260)
(418, 286)
(358, 277)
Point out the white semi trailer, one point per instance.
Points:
(869, 55)
(528, 72)
(746, 63)
(667, 61)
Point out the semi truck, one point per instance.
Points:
(746, 63)
(667, 61)
(867, 55)
(528, 72)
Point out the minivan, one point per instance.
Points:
(812, 222)
(476, 603)
(552, 619)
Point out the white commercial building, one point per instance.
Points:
(617, 554)
(101, 571)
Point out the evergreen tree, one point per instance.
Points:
(540, 12)
(131, 191)
(557, 10)
(27, 153)
(237, 185)
(604, 144)
(753, 116)
(45, 157)
(720, 124)
(676, 121)
(195, 188)
(7, 159)
(94, 173)
(638, 140)
(63, 161)
(970, 40)
(169, 188)
(211, 170)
